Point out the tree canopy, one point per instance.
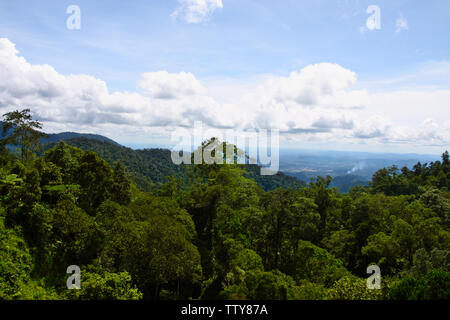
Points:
(216, 233)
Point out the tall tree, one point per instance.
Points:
(24, 131)
(120, 189)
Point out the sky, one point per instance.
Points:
(328, 74)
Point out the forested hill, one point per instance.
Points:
(55, 137)
(153, 167)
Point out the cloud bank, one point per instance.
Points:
(318, 103)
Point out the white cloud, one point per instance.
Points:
(319, 103)
(374, 127)
(427, 133)
(163, 85)
(196, 11)
(314, 100)
(401, 24)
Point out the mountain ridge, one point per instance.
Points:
(55, 137)
(152, 167)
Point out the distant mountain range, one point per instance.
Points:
(152, 167)
(348, 169)
(55, 137)
(149, 167)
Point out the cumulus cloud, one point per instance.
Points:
(374, 127)
(431, 132)
(61, 98)
(318, 103)
(74, 101)
(196, 11)
(427, 133)
(163, 85)
(401, 24)
(312, 85)
(316, 99)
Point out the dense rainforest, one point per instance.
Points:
(210, 231)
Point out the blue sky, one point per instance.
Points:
(242, 39)
(240, 44)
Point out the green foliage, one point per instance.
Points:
(120, 190)
(383, 250)
(435, 285)
(260, 285)
(24, 132)
(247, 259)
(161, 255)
(105, 286)
(353, 288)
(340, 244)
(317, 265)
(15, 263)
(424, 262)
(290, 217)
(75, 236)
(94, 175)
(392, 181)
(274, 285)
(66, 158)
